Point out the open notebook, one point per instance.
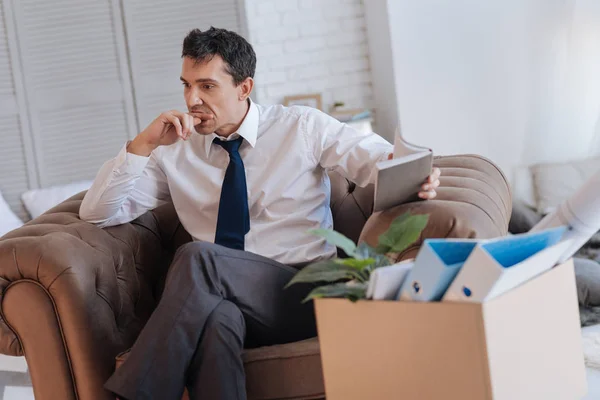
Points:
(399, 180)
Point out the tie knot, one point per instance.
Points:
(229, 145)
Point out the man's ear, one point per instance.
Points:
(245, 88)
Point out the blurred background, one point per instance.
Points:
(512, 80)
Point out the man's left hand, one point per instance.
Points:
(428, 189)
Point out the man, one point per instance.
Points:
(247, 182)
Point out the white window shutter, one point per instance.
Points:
(155, 32)
(77, 84)
(17, 165)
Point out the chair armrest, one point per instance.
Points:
(74, 295)
(473, 201)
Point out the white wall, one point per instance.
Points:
(564, 119)
(383, 67)
(461, 75)
(310, 46)
(513, 80)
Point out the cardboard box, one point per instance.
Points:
(524, 344)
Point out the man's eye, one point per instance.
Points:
(185, 84)
(208, 86)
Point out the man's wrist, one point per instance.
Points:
(140, 147)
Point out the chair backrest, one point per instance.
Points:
(351, 205)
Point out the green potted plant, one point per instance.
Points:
(349, 277)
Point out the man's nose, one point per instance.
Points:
(193, 99)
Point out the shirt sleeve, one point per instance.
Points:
(342, 148)
(126, 187)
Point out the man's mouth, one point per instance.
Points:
(200, 113)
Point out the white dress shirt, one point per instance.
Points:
(286, 153)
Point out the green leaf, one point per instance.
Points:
(381, 261)
(403, 232)
(350, 290)
(363, 251)
(336, 239)
(354, 263)
(324, 271)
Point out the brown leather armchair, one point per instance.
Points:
(74, 295)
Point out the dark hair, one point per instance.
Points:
(237, 53)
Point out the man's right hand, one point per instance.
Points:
(168, 128)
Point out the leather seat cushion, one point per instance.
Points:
(292, 371)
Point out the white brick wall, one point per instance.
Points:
(310, 46)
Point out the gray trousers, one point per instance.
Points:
(216, 301)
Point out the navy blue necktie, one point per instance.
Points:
(233, 221)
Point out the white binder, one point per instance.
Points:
(499, 265)
(385, 282)
(436, 265)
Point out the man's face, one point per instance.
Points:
(209, 89)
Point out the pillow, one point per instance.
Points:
(522, 217)
(587, 278)
(38, 201)
(553, 183)
(522, 186)
(8, 220)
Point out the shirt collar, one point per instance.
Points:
(248, 129)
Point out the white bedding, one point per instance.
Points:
(591, 351)
(38, 201)
(8, 219)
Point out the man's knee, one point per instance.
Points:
(192, 255)
(193, 248)
(226, 317)
(190, 260)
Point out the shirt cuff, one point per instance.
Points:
(129, 163)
